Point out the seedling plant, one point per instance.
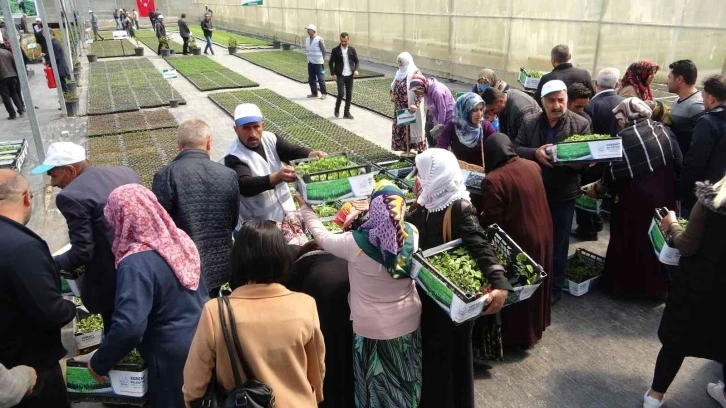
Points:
(207, 75)
(221, 37)
(293, 65)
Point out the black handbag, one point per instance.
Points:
(251, 393)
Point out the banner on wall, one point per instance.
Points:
(251, 2)
(144, 7)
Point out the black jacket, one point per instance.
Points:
(337, 64)
(183, 28)
(464, 225)
(202, 198)
(32, 310)
(600, 110)
(706, 159)
(206, 27)
(82, 203)
(562, 182)
(567, 74)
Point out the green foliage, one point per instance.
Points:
(78, 379)
(232, 42)
(383, 176)
(401, 164)
(326, 164)
(683, 223)
(114, 48)
(572, 151)
(133, 358)
(587, 138)
(90, 324)
(580, 269)
(224, 36)
(76, 273)
(460, 268)
(373, 94)
(328, 190)
(523, 271)
(325, 210)
(293, 65)
(535, 74)
(332, 227)
(207, 74)
(409, 195)
(148, 37)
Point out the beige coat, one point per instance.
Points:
(628, 92)
(279, 331)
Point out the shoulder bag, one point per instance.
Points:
(251, 393)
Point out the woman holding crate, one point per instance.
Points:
(385, 307)
(448, 376)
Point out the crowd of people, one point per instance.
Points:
(339, 321)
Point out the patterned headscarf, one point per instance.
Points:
(637, 77)
(440, 179)
(632, 109)
(468, 133)
(385, 229)
(418, 81)
(491, 79)
(141, 224)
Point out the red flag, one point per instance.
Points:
(144, 7)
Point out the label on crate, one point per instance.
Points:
(362, 185)
(169, 73)
(405, 117)
(608, 149)
(588, 204)
(120, 35)
(129, 383)
(665, 253)
(86, 340)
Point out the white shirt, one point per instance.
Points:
(603, 92)
(346, 64)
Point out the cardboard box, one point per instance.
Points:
(124, 380)
(526, 80)
(458, 305)
(603, 150)
(666, 253)
(332, 185)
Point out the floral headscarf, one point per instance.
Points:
(637, 77)
(141, 224)
(468, 133)
(440, 179)
(418, 81)
(385, 237)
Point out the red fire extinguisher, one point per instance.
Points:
(49, 77)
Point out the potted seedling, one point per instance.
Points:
(232, 46)
(88, 333)
(173, 101)
(193, 47)
(276, 43)
(138, 50)
(286, 47)
(92, 57)
(164, 42)
(71, 103)
(72, 86)
(583, 270)
(128, 378)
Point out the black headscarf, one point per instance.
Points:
(498, 150)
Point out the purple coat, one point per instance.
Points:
(439, 102)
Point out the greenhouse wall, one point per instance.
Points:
(456, 38)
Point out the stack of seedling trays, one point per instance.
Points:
(583, 271)
(13, 154)
(450, 276)
(127, 384)
(587, 149)
(332, 178)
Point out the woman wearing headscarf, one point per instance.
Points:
(324, 277)
(412, 136)
(688, 328)
(439, 101)
(466, 133)
(159, 293)
(385, 307)
(643, 181)
(637, 79)
(488, 79)
(448, 368)
(514, 197)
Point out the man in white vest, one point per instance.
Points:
(315, 47)
(257, 157)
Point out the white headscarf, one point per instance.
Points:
(441, 180)
(406, 70)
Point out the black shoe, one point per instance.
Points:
(348, 116)
(11, 118)
(21, 113)
(583, 235)
(337, 113)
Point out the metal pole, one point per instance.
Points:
(63, 27)
(51, 54)
(23, 78)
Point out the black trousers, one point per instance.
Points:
(185, 47)
(49, 390)
(345, 87)
(666, 367)
(10, 92)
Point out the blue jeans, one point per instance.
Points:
(209, 44)
(315, 73)
(562, 214)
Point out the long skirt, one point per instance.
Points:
(388, 372)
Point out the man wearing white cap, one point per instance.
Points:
(85, 189)
(160, 29)
(40, 38)
(94, 26)
(562, 183)
(257, 156)
(315, 47)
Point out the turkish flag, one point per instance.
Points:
(144, 7)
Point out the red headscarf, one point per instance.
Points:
(637, 77)
(141, 224)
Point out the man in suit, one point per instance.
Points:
(184, 33)
(344, 66)
(202, 197)
(600, 108)
(85, 191)
(564, 71)
(32, 310)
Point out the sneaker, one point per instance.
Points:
(715, 390)
(11, 118)
(583, 235)
(312, 96)
(337, 113)
(21, 113)
(323, 96)
(348, 116)
(650, 402)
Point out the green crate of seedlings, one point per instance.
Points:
(88, 333)
(13, 154)
(663, 246)
(583, 270)
(332, 178)
(127, 384)
(587, 149)
(71, 282)
(400, 168)
(449, 275)
(529, 78)
(589, 204)
(326, 212)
